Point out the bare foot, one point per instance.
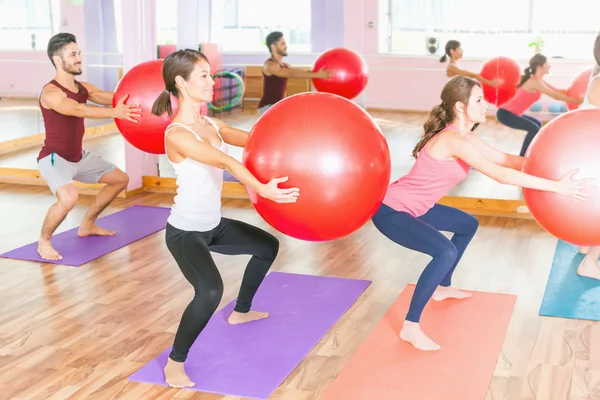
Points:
(94, 230)
(443, 293)
(175, 375)
(589, 268)
(46, 251)
(583, 249)
(240, 318)
(411, 332)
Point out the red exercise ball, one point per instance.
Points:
(568, 142)
(349, 74)
(143, 83)
(330, 149)
(579, 87)
(508, 72)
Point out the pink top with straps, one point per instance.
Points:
(427, 182)
(521, 101)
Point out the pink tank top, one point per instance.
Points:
(521, 101)
(427, 182)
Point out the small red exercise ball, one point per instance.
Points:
(578, 87)
(349, 74)
(568, 142)
(143, 83)
(330, 149)
(508, 72)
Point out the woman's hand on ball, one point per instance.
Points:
(571, 187)
(272, 192)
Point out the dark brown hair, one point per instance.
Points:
(597, 49)
(458, 89)
(57, 43)
(179, 63)
(534, 63)
(450, 45)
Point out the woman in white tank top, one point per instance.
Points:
(589, 266)
(196, 146)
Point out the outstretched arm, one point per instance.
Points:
(183, 142)
(455, 70)
(55, 99)
(499, 157)
(232, 136)
(98, 96)
(273, 68)
(466, 151)
(544, 88)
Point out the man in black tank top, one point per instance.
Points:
(62, 159)
(275, 73)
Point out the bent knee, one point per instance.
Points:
(67, 196)
(270, 247)
(447, 254)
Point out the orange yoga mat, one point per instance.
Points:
(470, 331)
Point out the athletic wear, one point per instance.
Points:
(197, 204)
(427, 182)
(273, 88)
(64, 133)
(191, 251)
(521, 101)
(586, 101)
(523, 122)
(423, 235)
(194, 229)
(57, 171)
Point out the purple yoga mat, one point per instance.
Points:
(130, 224)
(251, 360)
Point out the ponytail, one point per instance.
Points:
(162, 104)
(526, 75)
(439, 117)
(444, 58)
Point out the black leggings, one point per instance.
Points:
(191, 251)
(524, 122)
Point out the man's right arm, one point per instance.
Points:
(273, 68)
(57, 100)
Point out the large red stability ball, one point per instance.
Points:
(349, 74)
(330, 149)
(143, 83)
(578, 87)
(508, 72)
(568, 142)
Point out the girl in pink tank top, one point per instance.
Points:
(529, 90)
(410, 215)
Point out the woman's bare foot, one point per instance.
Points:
(94, 230)
(589, 268)
(240, 318)
(175, 375)
(46, 251)
(411, 332)
(443, 293)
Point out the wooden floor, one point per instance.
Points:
(402, 131)
(78, 333)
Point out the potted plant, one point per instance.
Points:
(537, 44)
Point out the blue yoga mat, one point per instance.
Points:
(569, 295)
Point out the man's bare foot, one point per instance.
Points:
(240, 318)
(583, 249)
(411, 332)
(46, 251)
(443, 293)
(175, 375)
(589, 268)
(94, 230)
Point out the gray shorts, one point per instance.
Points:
(263, 109)
(57, 171)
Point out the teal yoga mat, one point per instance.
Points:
(569, 295)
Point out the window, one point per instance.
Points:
(28, 24)
(488, 28)
(242, 25)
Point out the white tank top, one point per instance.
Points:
(197, 204)
(586, 101)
